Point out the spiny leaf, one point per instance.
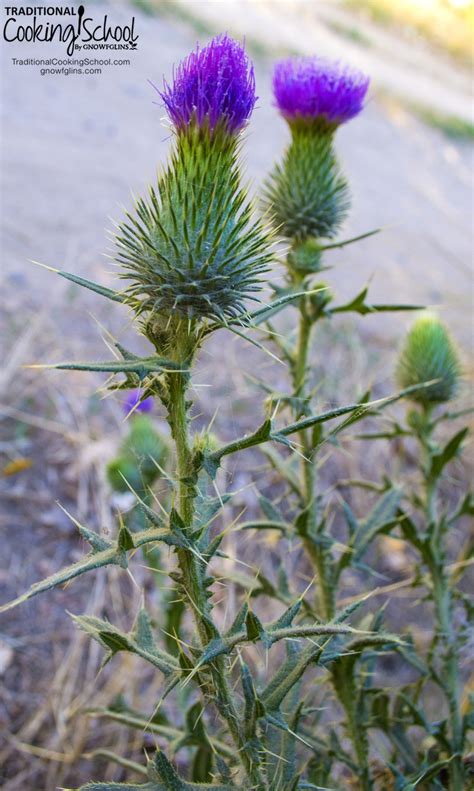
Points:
(265, 432)
(239, 620)
(335, 245)
(288, 675)
(286, 619)
(115, 554)
(264, 524)
(94, 560)
(115, 296)
(172, 782)
(441, 457)
(135, 720)
(137, 642)
(140, 366)
(382, 515)
(269, 509)
(206, 508)
(125, 539)
(429, 773)
(121, 787)
(266, 312)
(359, 305)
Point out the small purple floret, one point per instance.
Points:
(133, 403)
(213, 85)
(312, 87)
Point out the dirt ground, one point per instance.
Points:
(73, 150)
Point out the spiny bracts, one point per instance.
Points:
(307, 195)
(193, 248)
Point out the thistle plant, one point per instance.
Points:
(428, 516)
(193, 254)
(427, 522)
(308, 197)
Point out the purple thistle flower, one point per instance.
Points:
(133, 403)
(213, 85)
(312, 88)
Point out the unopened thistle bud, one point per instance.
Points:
(307, 194)
(194, 249)
(429, 354)
(140, 457)
(305, 258)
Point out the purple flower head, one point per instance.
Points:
(312, 88)
(133, 403)
(213, 85)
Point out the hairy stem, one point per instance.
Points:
(346, 691)
(317, 553)
(444, 615)
(193, 573)
(444, 612)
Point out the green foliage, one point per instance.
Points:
(429, 354)
(305, 257)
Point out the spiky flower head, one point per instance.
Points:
(194, 248)
(428, 354)
(307, 194)
(214, 86)
(313, 88)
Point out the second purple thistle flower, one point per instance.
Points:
(316, 88)
(307, 194)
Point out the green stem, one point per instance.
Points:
(344, 683)
(444, 612)
(193, 573)
(316, 552)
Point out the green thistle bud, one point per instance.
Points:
(139, 451)
(429, 353)
(319, 301)
(305, 258)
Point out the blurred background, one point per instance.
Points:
(74, 148)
